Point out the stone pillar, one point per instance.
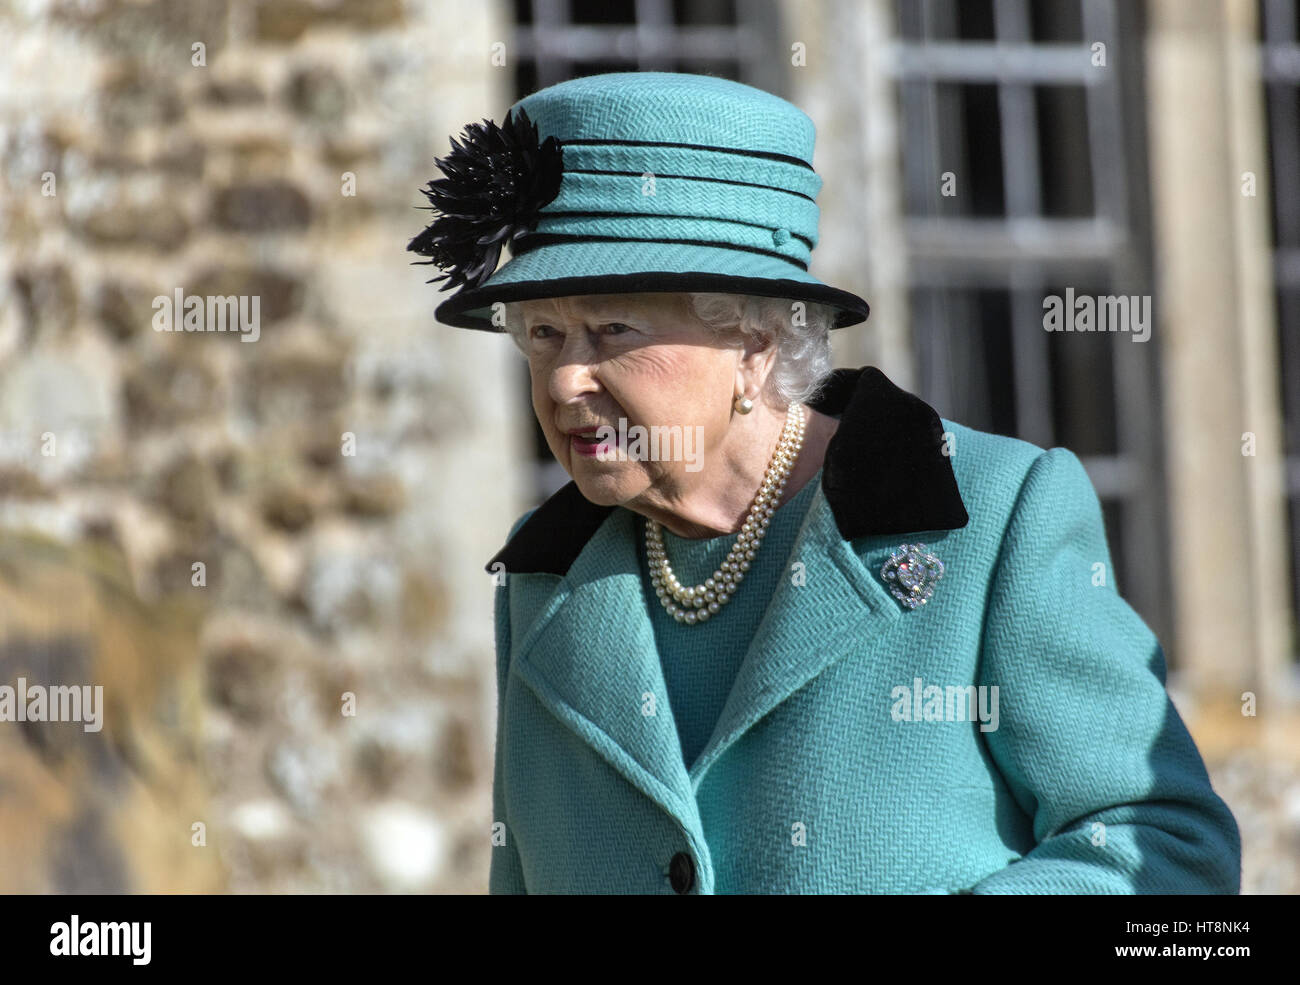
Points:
(1217, 333)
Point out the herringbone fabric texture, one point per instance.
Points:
(810, 783)
(680, 176)
(673, 107)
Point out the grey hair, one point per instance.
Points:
(800, 331)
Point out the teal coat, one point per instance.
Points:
(814, 780)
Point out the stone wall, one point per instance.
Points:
(230, 531)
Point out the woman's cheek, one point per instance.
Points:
(544, 412)
(655, 391)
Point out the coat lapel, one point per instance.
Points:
(591, 660)
(792, 645)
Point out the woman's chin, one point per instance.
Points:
(604, 484)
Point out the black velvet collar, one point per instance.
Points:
(884, 473)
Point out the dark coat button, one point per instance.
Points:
(681, 872)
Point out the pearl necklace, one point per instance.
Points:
(697, 603)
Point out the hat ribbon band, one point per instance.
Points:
(766, 155)
(693, 177)
(531, 241)
(668, 161)
(548, 223)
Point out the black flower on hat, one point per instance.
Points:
(497, 181)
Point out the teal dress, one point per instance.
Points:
(700, 662)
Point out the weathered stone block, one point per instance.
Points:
(171, 387)
(280, 291)
(288, 508)
(186, 490)
(316, 93)
(239, 678)
(134, 97)
(369, 14)
(148, 27)
(124, 310)
(373, 497)
(263, 206)
(236, 92)
(17, 482)
(288, 386)
(288, 20)
(160, 227)
(47, 296)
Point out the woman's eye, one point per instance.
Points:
(541, 331)
(617, 328)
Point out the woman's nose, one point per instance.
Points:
(574, 370)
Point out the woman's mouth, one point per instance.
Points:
(588, 443)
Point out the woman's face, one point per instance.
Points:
(629, 362)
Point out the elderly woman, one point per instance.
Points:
(787, 629)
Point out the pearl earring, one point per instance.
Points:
(743, 405)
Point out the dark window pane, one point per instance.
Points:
(964, 119)
(994, 312)
(525, 76)
(975, 20)
(1269, 30)
(1288, 316)
(1083, 386)
(721, 67)
(1056, 20)
(1284, 146)
(1063, 152)
(602, 11)
(1294, 514)
(982, 133)
(717, 12)
(582, 69)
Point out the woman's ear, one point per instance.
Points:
(757, 357)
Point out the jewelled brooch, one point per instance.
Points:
(910, 574)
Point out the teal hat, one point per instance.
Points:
(630, 182)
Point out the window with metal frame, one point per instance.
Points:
(1024, 178)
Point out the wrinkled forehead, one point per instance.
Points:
(605, 305)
